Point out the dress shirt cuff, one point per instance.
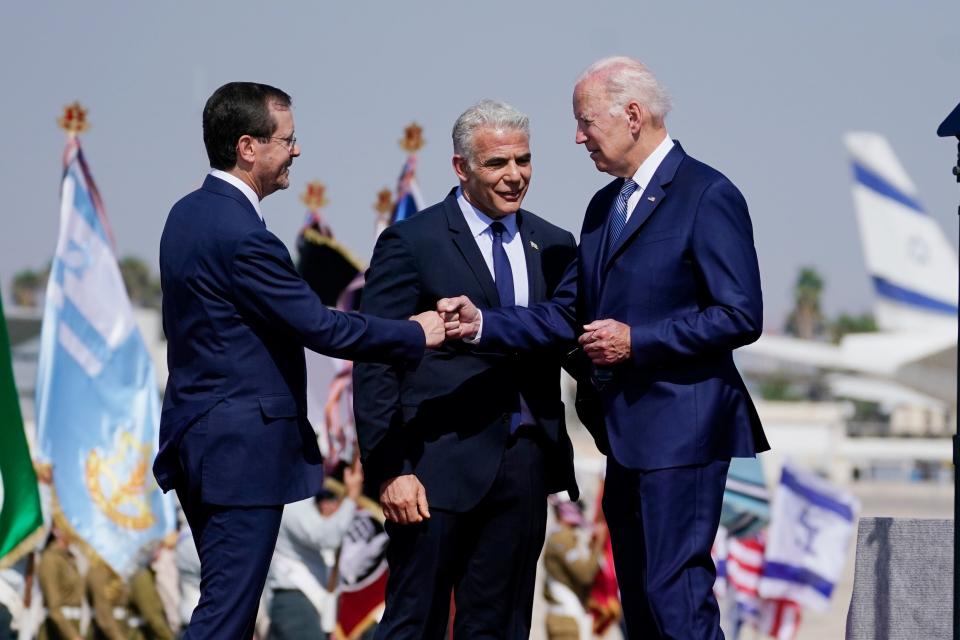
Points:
(476, 339)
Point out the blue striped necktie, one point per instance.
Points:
(618, 217)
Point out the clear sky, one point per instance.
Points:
(763, 91)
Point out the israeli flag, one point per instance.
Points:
(97, 403)
(811, 523)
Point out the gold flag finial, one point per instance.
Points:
(384, 203)
(412, 138)
(74, 119)
(314, 196)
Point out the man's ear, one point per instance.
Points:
(246, 149)
(637, 116)
(460, 167)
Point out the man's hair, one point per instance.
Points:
(626, 79)
(234, 110)
(486, 113)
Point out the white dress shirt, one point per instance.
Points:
(479, 224)
(239, 184)
(645, 172)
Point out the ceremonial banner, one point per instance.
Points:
(363, 576)
(603, 602)
(97, 402)
(409, 200)
(810, 527)
(20, 514)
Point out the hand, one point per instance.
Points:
(353, 480)
(606, 342)
(404, 500)
(432, 325)
(460, 316)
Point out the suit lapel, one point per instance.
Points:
(593, 243)
(531, 251)
(463, 238)
(650, 199)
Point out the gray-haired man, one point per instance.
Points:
(465, 448)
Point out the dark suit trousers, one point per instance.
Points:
(235, 545)
(662, 525)
(487, 555)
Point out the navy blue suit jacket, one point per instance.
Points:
(684, 276)
(448, 419)
(237, 317)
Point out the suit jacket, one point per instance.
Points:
(683, 275)
(447, 420)
(237, 317)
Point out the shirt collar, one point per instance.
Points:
(648, 167)
(239, 184)
(478, 221)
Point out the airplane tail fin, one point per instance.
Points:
(910, 261)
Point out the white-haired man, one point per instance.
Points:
(666, 286)
(465, 447)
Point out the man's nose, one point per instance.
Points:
(580, 137)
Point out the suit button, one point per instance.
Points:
(505, 419)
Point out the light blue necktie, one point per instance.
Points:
(618, 217)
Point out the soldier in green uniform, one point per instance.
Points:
(147, 607)
(110, 599)
(571, 559)
(62, 588)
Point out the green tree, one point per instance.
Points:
(142, 287)
(806, 319)
(28, 287)
(846, 323)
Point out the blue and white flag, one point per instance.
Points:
(409, 200)
(811, 523)
(97, 404)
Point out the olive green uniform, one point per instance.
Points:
(147, 606)
(110, 599)
(571, 566)
(62, 588)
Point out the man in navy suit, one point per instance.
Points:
(665, 286)
(465, 448)
(235, 442)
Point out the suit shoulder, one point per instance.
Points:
(422, 220)
(694, 170)
(550, 231)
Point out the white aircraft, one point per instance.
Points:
(915, 276)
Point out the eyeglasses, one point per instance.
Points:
(287, 143)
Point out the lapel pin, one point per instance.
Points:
(534, 245)
(652, 198)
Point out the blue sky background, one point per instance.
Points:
(763, 91)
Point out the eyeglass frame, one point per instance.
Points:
(289, 143)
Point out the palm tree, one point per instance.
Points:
(28, 286)
(806, 320)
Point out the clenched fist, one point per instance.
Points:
(461, 317)
(432, 325)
